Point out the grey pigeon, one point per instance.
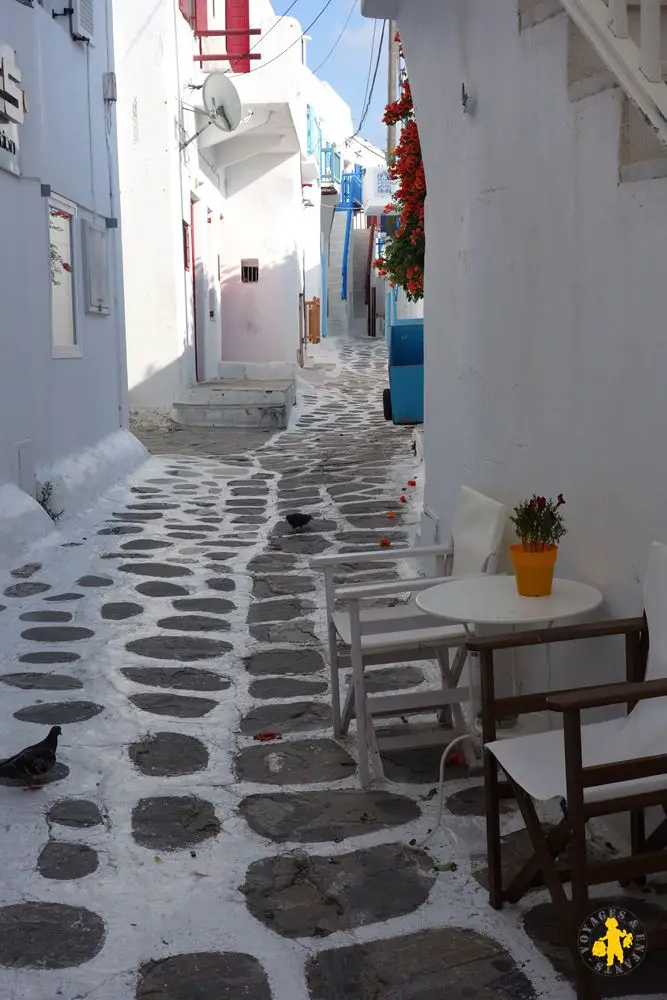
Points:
(297, 520)
(34, 762)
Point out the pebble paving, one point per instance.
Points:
(202, 834)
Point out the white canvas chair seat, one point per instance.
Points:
(379, 631)
(426, 640)
(537, 762)
(401, 632)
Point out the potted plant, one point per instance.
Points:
(539, 524)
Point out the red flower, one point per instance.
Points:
(403, 500)
(266, 737)
(403, 263)
(385, 543)
(412, 482)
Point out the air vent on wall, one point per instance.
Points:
(250, 271)
(83, 19)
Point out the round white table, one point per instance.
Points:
(493, 600)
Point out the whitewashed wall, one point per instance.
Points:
(154, 55)
(406, 309)
(545, 305)
(263, 220)
(53, 409)
(246, 209)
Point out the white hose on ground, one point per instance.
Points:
(441, 789)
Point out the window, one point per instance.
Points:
(237, 17)
(250, 271)
(200, 16)
(64, 339)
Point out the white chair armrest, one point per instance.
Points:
(398, 586)
(381, 555)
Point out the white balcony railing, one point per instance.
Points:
(628, 36)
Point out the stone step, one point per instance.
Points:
(236, 403)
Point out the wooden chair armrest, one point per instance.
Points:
(342, 559)
(606, 694)
(563, 633)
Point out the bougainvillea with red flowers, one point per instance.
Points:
(402, 262)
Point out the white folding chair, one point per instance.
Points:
(404, 633)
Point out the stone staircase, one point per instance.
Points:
(337, 321)
(617, 45)
(357, 311)
(237, 402)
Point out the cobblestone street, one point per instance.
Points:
(172, 856)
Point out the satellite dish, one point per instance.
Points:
(222, 102)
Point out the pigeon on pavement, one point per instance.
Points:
(34, 762)
(298, 520)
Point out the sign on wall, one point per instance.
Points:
(378, 190)
(12, 110)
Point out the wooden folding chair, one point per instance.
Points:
(596, 769)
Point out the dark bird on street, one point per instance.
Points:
(297, 520)
(34, 762)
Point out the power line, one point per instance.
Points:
(335, 44)
(370, 64)
(370, 95)
(362, 142)
(292, 44)
(274, 25)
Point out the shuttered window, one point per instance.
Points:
(201, 15)
(237, 16)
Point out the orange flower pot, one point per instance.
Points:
(534, 571)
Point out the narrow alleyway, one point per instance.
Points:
(175, 857)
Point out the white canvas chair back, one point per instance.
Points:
(477, 532)
(646, 726)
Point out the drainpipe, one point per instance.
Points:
(117, 257)
(192, 374)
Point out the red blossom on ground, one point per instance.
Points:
(412, 482)
(385, 543)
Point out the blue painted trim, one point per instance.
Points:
(330, 165)
(346, 253)
(351, 193)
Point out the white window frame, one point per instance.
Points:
(73, 350)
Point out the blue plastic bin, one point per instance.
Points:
(406, 372)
